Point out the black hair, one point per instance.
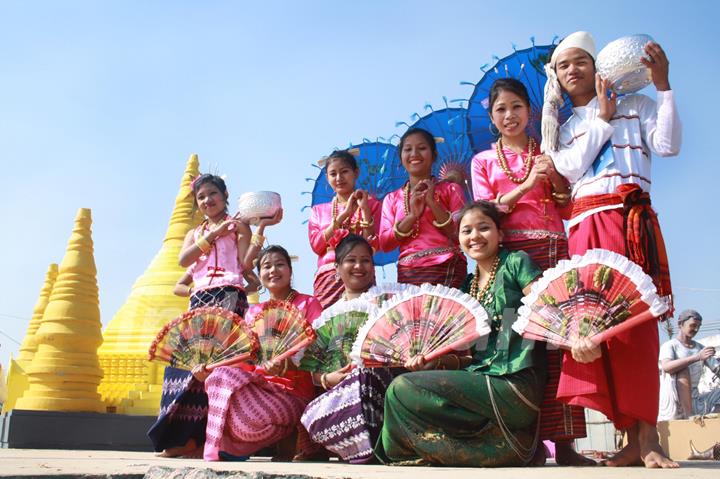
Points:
(347, 244)
(341, 155)
(508, 84)
(274, 249)
(488, 208)
(427, 136)
(214, 180)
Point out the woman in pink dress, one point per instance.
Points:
(352, 210)
(419, 218)
(514, 174)
(249, 407)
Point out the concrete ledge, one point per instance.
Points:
(71, 430)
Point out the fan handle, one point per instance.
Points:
(230, 361)
(460, 344)
(646, 315)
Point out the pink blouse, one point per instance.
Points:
(535, 215)
(220, 266)
(320, 219)
(294, 381)
(450, 196)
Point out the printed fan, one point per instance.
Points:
(282, 331)
(336, 329)
(379, 295)
(430, 321)
(213, 336)
(596, 295)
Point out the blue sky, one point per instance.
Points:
(101, 104)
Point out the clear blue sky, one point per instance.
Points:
(101, 103)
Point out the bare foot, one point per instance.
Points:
(628, 456)
(565, 455)
(540, 457)
(178, 451)
(651, 452)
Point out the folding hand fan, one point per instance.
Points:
(282, 331)
(336, 329)
(380, 294)
(431, 321)
(210, 336)
(596, 295)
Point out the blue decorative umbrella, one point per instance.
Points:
(524, 65)
(380, 173)
(454, 150)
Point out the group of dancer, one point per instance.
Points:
(488, 406)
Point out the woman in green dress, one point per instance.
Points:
(487, 413)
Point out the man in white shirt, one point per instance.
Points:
(605, 152)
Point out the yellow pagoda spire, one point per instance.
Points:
(132, 384)
(17, 381)
(64, 373)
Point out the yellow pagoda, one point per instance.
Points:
(64, 373)
(132, 384)
(17, 376)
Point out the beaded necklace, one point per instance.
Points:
(484, 295)
(527, 166)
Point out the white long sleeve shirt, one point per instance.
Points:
(639, 128)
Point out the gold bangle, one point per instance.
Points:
(323, 381)
(560, 196)
(203, 244)
(367, 224)
(444, 223)
(400, 233)
(257, 240)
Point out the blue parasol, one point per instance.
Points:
(454, 150)
(380, 173)
(524, 65)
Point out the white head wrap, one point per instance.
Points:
(553, 100)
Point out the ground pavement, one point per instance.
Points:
(57, 464)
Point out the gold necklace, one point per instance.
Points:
(527, 164)
(482, 295)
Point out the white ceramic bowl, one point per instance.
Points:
(257, 205)
(620, 62)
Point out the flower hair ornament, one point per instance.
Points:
(339, 235)
(323, 161)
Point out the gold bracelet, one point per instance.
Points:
(444, 223)
(203, 244)
(367, 224)
(284, 369)
(400, 233)
(257, 240)
(560, 196)
(323, 381)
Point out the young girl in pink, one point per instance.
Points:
(419, 218)
(352, 210)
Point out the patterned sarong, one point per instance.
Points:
(451, 272)
(247, 413)
(327, 287)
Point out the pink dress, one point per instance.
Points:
(326, 287)
(248, 410)
(220, 266)
(431, 256)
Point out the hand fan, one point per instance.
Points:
(596, 295)
(380, 294)
(431, 321)
(336, 329)
(282, 331)
(211, 336)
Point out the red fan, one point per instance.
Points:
(597, 295)
(282, 331)
(212, 336)
(431, 320)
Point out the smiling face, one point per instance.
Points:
(275, 272)
(356, 269)
(575, 70)
(479, 236)
(417, 155)
(510, 114)
(211, 201)
(341, 176)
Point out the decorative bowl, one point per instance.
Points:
(620, 63)
(254, 206)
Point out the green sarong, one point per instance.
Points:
(448, 418)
